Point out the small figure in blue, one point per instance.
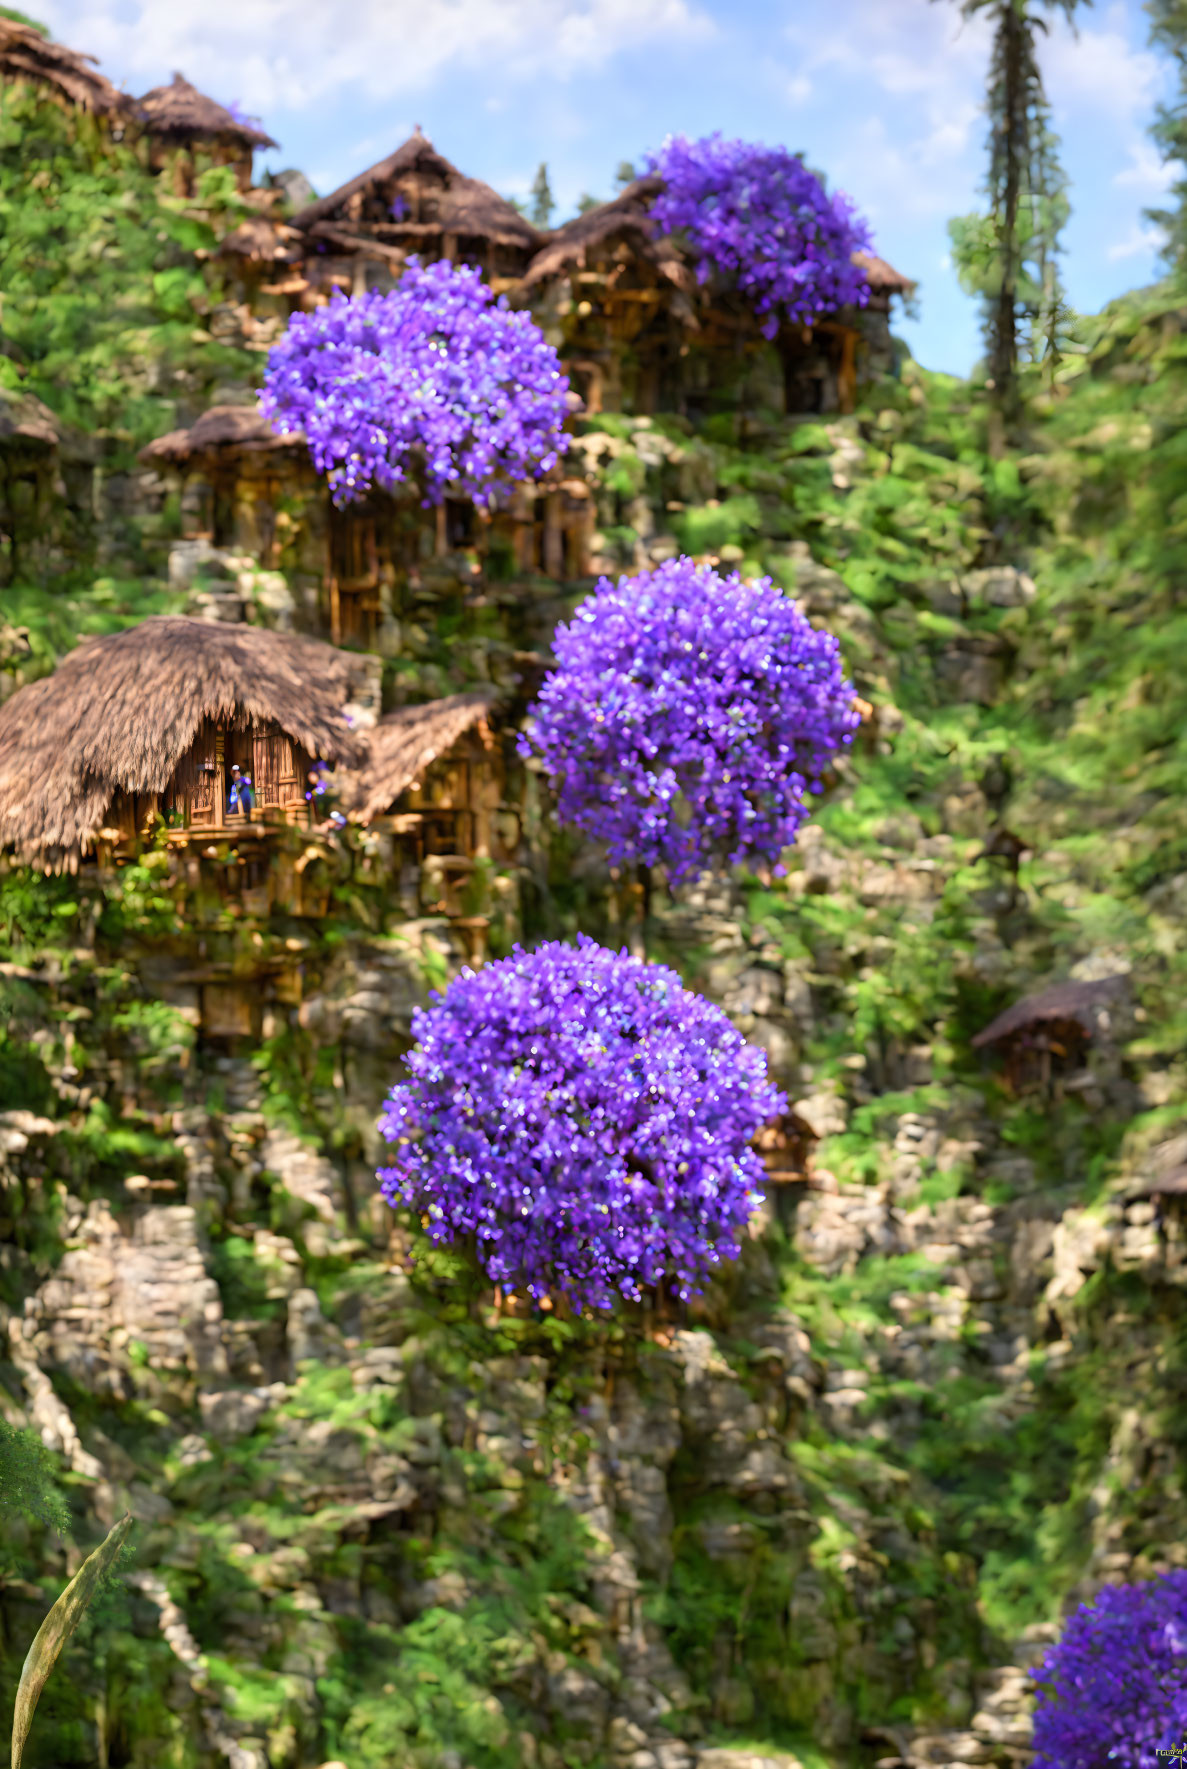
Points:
(242, 797)
(319, 796)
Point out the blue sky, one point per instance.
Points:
(883, 96)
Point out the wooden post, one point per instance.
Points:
(442, 539)
(220, 779)
(554, 538)
(847, 379)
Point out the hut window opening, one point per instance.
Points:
(460, 524)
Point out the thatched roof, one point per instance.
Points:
(222, 427)
(26, 423)
(260, 240)
(27, 55)
(628, 213)
(465, 206)
(1081, 1002)
(179, 112)
(883, 278)
(120, 712)
(402, 744)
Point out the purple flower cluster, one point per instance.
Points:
(436, 369)
(759, 215)
(687, 716)
(1113, 1689)
(586, 1118)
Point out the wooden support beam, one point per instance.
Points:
(220, 779)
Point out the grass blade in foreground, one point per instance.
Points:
(56, 1629)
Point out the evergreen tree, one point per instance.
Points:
(543, 202)
(1009, 255)
(1168, 32)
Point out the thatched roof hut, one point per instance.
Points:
(223, 428)
(403, 744)
(626, 218)
(1071, 1004)
(121, 713)
(28, 54)
(882, 277)
(415, 200)
(180, 113)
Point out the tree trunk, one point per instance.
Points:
(1013, 28)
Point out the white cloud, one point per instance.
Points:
(1147, 172)
(290, 53)
(1097, 69)
(799, 88)
(1142, 237)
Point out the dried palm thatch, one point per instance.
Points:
(26, 424)
(1064, 1003)
(403, 743)
(25, 54)
(260, 240)
(628, 217)
(179, 112)
(462, 206)
(882, 277)
(120, 713)
(223, 427)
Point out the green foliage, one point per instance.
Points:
(102, 292)
(29, 1484)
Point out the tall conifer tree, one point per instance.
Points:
(1009, 255)
(1168, 32)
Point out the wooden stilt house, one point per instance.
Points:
(250, 492)
(414, 201)
(188, 132)
(147, 726)
(1044, 1038)
(638, 332)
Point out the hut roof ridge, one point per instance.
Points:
(475, 207)
(222, 426)
(180, 110)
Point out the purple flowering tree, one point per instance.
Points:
(1113, 1689)
(759, 216)
(436, 371)
(688, 717)
(586, 1118)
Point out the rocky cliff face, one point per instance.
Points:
(832, 1510)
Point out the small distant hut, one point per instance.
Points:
(638, 332)
(29, 56)
(235, 469)
(262, 255)
(148, 724)
(414, 201)
(188, 131)
(435, 780)
(1044, 1037)
(29, 439)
